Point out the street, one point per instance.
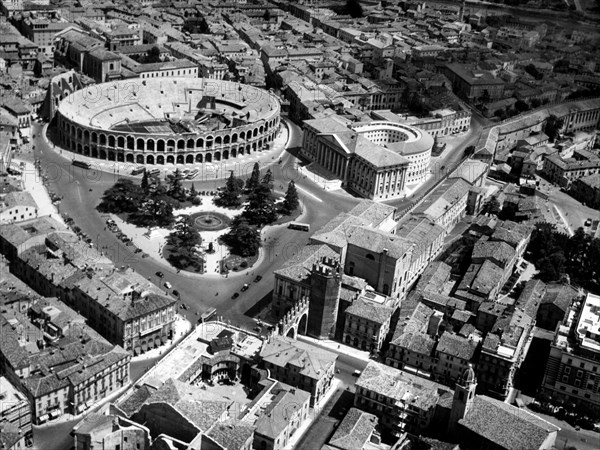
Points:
(82, 191)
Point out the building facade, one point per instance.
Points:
(300, 365)
(574, 363)
(375, 160)
(402, 402)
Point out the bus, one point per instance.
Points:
(138, 170)
(81, 164)
(193, 174)
(299, 226)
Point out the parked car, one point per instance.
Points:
(175, 292)
(168, 285)
(160, 274)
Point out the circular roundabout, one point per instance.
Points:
(210, 221)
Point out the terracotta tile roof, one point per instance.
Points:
(191, 402)
(368, 310)
(354, 431)
(279, 412)
(312, 361)
(560, 295)
(507, 426)
(494, 250)
(231, 435)
(377, 241)
(457, 346)
(401, 386)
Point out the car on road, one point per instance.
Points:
(245, 287)
(159, 274)
(175, 292)
(235, 295)
(257, 279)
(168, 285)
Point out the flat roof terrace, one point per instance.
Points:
(193, 347)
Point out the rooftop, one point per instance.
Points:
(366, 309)
(402, 387)
(456, 346)
(507, 426)
(312, 362)
(379, 242)
(192, 402)
(354, 431)
(588, 326)
(279, 412)
(449, 193)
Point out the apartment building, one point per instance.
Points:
(299, 365)
(367, 322)
(472, 84)
(504, 349)
(403, 402)
(120, 304)
(17, 207)
(62, 365)
(573, 367)
(446, 205)
(15, 417)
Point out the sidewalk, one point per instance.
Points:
(336, 347)
(32, 183)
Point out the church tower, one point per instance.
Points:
(464, 395)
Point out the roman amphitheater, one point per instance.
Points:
(168, 121)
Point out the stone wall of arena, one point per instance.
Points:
(169, 148)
